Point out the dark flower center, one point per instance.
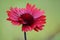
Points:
(27, 18)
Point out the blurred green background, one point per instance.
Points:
(51, 30)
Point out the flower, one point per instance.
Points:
(30, 17)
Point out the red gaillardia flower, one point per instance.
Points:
(30, 17)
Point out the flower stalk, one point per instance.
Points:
(25, 38)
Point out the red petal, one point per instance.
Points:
(15, 23)
(12, 16)
(15, 11)
(40, 27)
(9, 19)
(37, 13)
(36, 29)
(41, 20)
(43, 16)
(28, 6)
(26, 28)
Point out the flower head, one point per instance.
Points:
(30, 17)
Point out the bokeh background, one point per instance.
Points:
(52, 27)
